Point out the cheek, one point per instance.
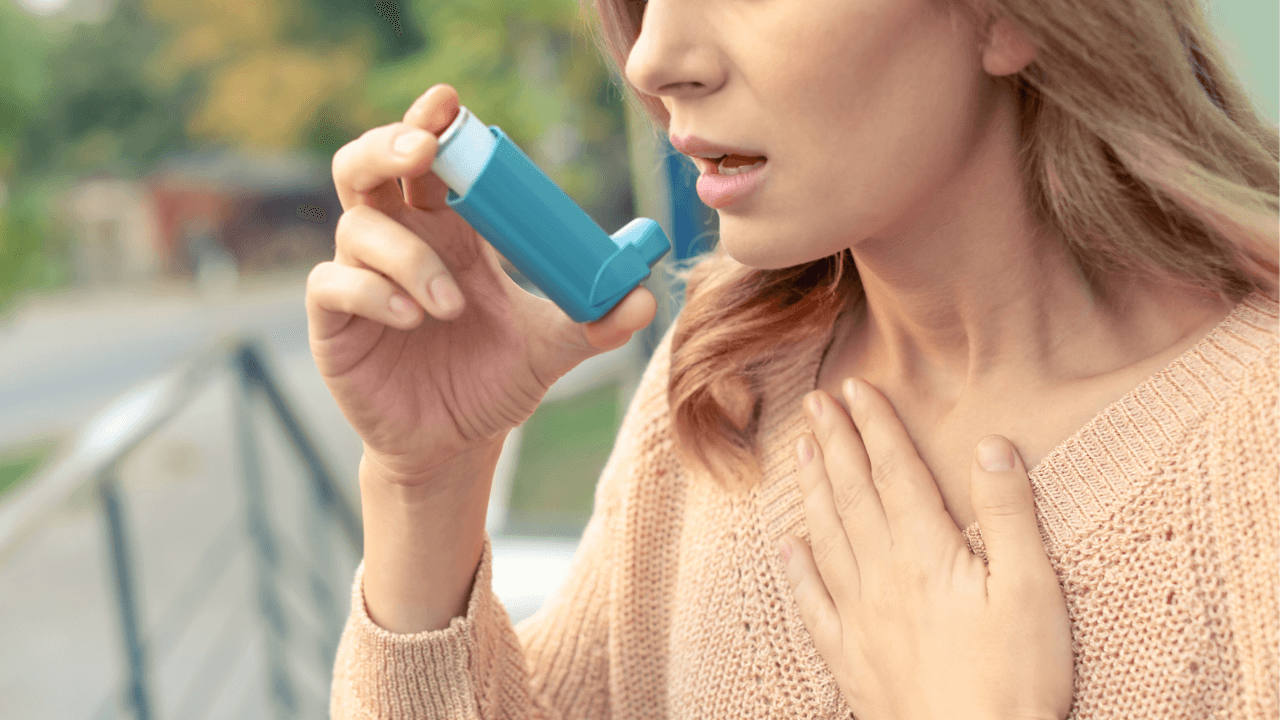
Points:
(831, 197)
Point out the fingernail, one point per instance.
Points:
(400, 305)
(446, 114)
(407, 143)
(784, 550)
(443, 293)
(815, 406)
(995, 455)
(804, 450)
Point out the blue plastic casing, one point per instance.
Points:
(544, 233)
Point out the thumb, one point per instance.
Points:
(616, 327)
(1002, 501)
(565, 344)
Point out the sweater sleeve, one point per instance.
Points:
(554, 665)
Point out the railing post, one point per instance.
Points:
(139, 690)
(325, 499)
(322, 479)
(265, 553)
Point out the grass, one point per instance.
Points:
(564, 449)
(20, 462)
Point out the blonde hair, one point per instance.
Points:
(1148, 157)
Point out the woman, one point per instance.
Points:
(1016, 226)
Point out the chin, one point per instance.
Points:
(768, 253)
(751, 247)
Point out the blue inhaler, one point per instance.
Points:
(496, 188)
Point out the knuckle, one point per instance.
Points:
(366, 285)
(339, 163)
(350, 221)
(824, 434)
(850, 499)
(318, 275)
(823, 550)
(351, 290)
(343, 227)
(424, 261)
(884, 469)
(1000, 508)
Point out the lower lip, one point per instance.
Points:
(717, 190)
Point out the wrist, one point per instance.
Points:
(422, 544)
(426, 479)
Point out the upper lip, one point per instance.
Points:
(696, 148)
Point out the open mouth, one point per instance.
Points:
(729, 164)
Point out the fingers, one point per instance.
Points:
(367, 238)
(1005, 507)
(908, 493)
(854, 498)
(433, 112)
(817, 609)
(336, 292)
(366, 170)
(832, 553)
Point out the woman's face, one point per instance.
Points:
(866, 110)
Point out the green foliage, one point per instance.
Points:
(32, 254)
(22, 76)
(565, 447)
(394, 24)
(99, 112)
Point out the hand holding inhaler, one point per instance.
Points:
(422, 388)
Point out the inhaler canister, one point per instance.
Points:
(496, 188)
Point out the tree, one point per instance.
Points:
(22, 79)
(99, 112)
(267, 69)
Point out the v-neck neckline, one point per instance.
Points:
(1093, 471)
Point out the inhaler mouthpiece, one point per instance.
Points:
(464, 148)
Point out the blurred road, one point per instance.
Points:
(61, 359)
(64, 356)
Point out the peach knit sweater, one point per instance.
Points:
(1159, 516)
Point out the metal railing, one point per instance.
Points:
(277, 565)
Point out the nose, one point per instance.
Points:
(674, 55)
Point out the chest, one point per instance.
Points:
(1036, 420)
(734, 646)
(1036, 425)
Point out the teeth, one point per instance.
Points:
(736, 170)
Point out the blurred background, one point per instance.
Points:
(179, 517)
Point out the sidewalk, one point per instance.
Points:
(70, 355)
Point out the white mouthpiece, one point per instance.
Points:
(465, 146)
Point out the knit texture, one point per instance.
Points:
(1159, 517)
